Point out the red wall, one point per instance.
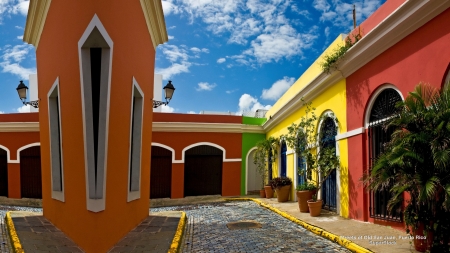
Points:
(231, 172)
(423, 56)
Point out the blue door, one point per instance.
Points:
(283, 159)
(329, 131)
(301, 166)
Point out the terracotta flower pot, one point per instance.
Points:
(269, 191)
(302, 199)
(283, 193)
(422, 243)
(315, 207)
(262, 193)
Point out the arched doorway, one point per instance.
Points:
(382, 109)
(283, 160)
(253, 176)
(161, 173)
(30, 173)
(3, 173)
(328, 132)
(203, 171)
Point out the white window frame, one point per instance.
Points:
(55, 135)
(95, 189)
(135, 154)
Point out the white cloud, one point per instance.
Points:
(191, 112)
(278, 88)
(20, 37)
(174, 53)
(8, 7)
(171, 27)
(170, 37)
(173, 70)
(221, 60)
(205, 86)
(11, 59)
(24, 109)
(205, 50)
(169, 7)
(19, 27)
(166, 108)
(249, 103)
(231, 91)
(2, 112)
(327, 31)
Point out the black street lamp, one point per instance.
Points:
(22, 90)
(168, 91)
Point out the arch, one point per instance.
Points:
(203, 170)
(8, 156)
(330, 188)
(30, 172)
(247, 168)
(3, 172)
(283, 159)
(374, 96)
(168, 148)
(22, 148)
(446, 78)
(209, 144)
(381, 110)
(161, 172)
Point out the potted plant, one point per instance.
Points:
(282, 186)
(416, 162)
(305, 192)
(320, 163)
(264, 150)
(269, 189)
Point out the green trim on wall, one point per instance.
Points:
(253, 121)
(249, 141)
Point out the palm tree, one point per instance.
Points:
(417, 161)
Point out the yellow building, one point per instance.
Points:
(327, 93)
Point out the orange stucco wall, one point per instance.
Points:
(231, 171)
(14, 141)
(57, 56)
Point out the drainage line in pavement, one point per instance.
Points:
(175, 246)
(316, 230)
(16, 245)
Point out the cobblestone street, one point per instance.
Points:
(207, 230)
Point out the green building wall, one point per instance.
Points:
(249, 141)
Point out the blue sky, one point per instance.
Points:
(222, 55)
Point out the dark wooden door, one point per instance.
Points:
(30, 173)
(160, 173)
(203, 171)
(3, 173)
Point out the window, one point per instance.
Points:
(137, 109)
(95, 52)
(56, 164)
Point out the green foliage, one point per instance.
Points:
(303, 139)
(416, 161)
(265, 149)
(306, 187)
(332, 60)
(278, 182)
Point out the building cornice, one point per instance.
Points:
(409, 17)
(406, 19)
(37, 14)
(153, 12)
(205, 127)
(19, 127)
(154, 16)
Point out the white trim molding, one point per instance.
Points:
(351, 133)
(9, 127)
(224, 159)
(56, 142)
(206, 127)
(37, 14)
(156, 144)
(20, 149)
(374, 97)
(246, 169)
(154, 17)
(95, 36)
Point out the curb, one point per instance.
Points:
(175, 246)
(16, 245)
(316, 230)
